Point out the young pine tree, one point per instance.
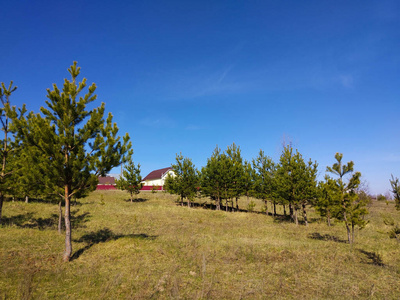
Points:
(78, 143)
(239, 179)
(185, 180)
(327, 201)
(263, 176)
(396, 191)
(130, 179)
(296, 181)
(212, 178)
(351, 209)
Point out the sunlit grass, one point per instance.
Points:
(154, 248)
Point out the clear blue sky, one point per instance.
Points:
(185, 76)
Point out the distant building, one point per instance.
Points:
(106, 183)
(156, 178)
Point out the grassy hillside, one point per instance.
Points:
(156, 249)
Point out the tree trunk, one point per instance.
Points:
(67, 217)
(352, 233)
(305, 214)
(188, 202)
(181, 200)
(291, 211)
(218, 203)
(131, 197)
(237, 204)
(347, 228)
(26, 199)
(266, 207)
(1, 205)
(274, 209)
(284, 210)
(59, 217)
(295, 216)
(226, 204)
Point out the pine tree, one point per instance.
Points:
(296, 181)
(212, 177)
(237, 174)
(396, 191)
(7, 144)
(247, 180)
(78, 143)
(327, 201)
(185, 180)
(130, 180)
(351, 210)
(263, 176)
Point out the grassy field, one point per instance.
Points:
(156, 249)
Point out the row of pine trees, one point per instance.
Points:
(291, 183)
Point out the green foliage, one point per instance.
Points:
(327, 202)
(79, 145)
(8, 145)
(396, 191)
(239, 178)
(247, 179)
(381, 197)
(296, 181)
(263, 177)
(224, 177)
(352, 209)
(251, 206)
(154, 189)
(213, 177)
(130, 179)
(185, 179)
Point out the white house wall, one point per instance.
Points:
(153, 182)
(160, 181)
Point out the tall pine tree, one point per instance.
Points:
(7, 144)
(79, 144)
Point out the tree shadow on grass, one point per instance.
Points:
(29, 221)
(211, 206)
(326, 237)
(373, 257)
(137, 200)
(17, 220)
(283, 219)
(77, 221)
(102, 236)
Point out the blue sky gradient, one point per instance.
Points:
(185, 76)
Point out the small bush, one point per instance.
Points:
(381, 197)
(251, 206)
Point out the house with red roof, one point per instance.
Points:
(156, 178)
(106, 183)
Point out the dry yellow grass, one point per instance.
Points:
(156, 249)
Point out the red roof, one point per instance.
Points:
(106, 180)
(157, 174)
